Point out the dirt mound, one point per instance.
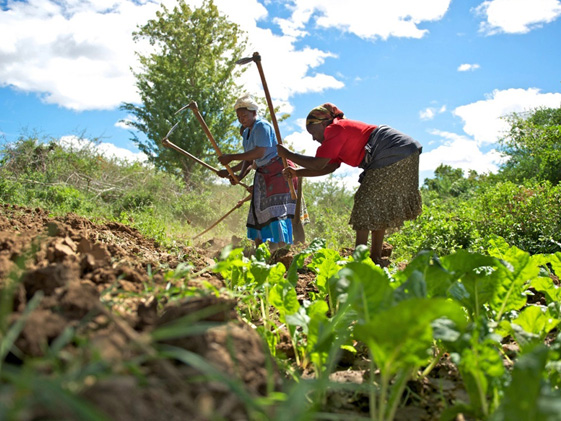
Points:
(101, 282)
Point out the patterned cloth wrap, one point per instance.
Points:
(271, 199)
(324, 112)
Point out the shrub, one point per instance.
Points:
(526, 216)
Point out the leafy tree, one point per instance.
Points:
(444, 178)
(194, 57)
(533, 146)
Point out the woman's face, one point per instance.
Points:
(316, 130)
(246, 117)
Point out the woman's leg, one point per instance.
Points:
(276, 246)
(376, 247)
(361, 237)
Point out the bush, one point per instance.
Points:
(443, 227)
(526, 216)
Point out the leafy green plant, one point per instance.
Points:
(396, 327)
(529, 396)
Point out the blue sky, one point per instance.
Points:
(442, 71)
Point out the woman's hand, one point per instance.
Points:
(226, 174)
(288, 173)
(283, 151)
(225, 159)
(223, 173)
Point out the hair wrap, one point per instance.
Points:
(325, 112)
(246, 101)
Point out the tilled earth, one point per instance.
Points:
(103, 282)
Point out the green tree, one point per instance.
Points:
(193, 59)
(533, 146)
(444, 178)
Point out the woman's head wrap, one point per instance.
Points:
(325, 112)
(246, 101)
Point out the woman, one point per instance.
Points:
(272, 209)
(389, 190)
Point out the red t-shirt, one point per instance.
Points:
(344, 141)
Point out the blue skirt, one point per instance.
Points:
(279, 231)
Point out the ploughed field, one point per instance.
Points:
(109, 324)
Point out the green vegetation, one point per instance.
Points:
(483, 245)
(35, 173)
(533, 146)
(193, 59)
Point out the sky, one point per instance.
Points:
(445, 72)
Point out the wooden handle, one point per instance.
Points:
(240, 203)
(173, 146)
(193, 106)
(257, 59)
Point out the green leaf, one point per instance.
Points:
(445, 330)
(361, 253)
(260, 271)
(520, 271)
(283, 297)
(480, 366)
(262, 253)
(298, 260)
(320, 334)
(530, 327)
(556, 263)
(437, 279)
(477, 279)
(537, 320)
(324, 264)
(401, 336)
(547, 287)
(527, 397)
(233, 266)
(414, 287)
(368, 291)
(299, 318)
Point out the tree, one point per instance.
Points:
(193, 59)
(444, 177)
(533, 146)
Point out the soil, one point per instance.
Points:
(103, 281)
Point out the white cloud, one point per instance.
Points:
(364, 18)
(427, 114)
(107, 150)
(459, 152)
(467, 67)
(517, 16)
(430, 112)
(483, 119)
(122, 124)
(78, 54)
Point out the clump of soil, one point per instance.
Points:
(94, 278)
